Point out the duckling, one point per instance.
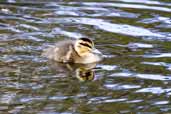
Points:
(74, 51)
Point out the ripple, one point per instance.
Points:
(21, 49)
(133, 45)
(107, 67)
(153, 76)
(135, 34)
(59, 6)
(31, 99)
(11, 29)
(12, 58)
(5, 10)
(58, 98)
(135, 101)
(121, 86)
(151, 2)
(99, 100)
(11, 1)
(117, 28)
(143, 76)
(69, 13)
(167, 65)
(154, 90)
(28, 27)
(156, 19)
(161, 102)
(160, 55)
(122, 5)
(139, 45)
(7, 98)
(113, 100)
(110, 27)
(95, 12)
(66, 33)
(155, 63)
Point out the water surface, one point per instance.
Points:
(133, 35)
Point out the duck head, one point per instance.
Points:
(85, 46)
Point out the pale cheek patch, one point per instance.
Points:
(84, 50)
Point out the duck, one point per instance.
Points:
(80, 51)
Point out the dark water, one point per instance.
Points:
(134, 35)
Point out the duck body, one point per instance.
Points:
(67, 51)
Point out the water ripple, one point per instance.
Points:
(161, 102)
(66, 33)
(107, 67)
(159, 55)
(134, 36)
(122, 5)
(167, 65)
(110, 27)
(151, 2)
(105, 100)
(143, 76)
(121, 86)
(154, 90)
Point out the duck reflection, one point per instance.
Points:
(83, 72)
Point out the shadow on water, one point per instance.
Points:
(133, 35)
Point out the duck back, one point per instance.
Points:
(59, 51)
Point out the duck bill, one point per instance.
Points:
(95, 51)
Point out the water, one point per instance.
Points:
(133, 35)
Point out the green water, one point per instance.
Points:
(133, 35)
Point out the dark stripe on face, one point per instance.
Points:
(85, 44)
(86, 40)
